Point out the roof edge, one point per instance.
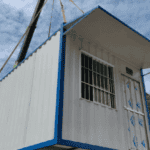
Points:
(30, 54)
(87, 13)
(123, 23)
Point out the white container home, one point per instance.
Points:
(81, 89)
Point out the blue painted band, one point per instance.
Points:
(40, 145)
(145, 99)
(82, 145)
(60, 87)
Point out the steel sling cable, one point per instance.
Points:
(76, 6)
(63, 12)
(50, 20)
(22, 37)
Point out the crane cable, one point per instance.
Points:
(50, 20)
(62, 9)
(22, 37)
(146, 74)
(76, 6)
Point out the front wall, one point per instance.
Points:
(85, 121)
(28, 99)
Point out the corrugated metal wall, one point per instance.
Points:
(28, 99)
(85, 121)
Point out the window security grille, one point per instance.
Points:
(97, 83)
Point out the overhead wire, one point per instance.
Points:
(146, 74)
(50, 20)
(76, 6)
(62, 9)
(32, 23)
(23, 36)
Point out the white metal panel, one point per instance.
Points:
(66, 87)
(14, 102)
(85, 121)
(103, 126)
(122, 138)
(43, 98)
(28, 99)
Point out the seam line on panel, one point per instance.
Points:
(26, 123)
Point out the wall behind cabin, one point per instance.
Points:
(85, 121)
(28, 99)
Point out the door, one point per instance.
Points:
(134, 115)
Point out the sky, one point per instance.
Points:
(15, 16)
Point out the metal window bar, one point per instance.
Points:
(95, 76)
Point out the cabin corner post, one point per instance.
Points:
(60, 87)
(145, 98)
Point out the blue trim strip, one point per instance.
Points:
(60, 87)
(83, 16)
(40, 145)
(29, 55)
(145, 99)
(82, 145)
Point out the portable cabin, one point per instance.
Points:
(81, 89)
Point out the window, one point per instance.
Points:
(97, 83)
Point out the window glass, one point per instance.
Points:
(95, 94)
(86, 76)
(112, 100)
(90, 77)
(113, 89)
(82, 59)
(110, 85)
(82, 90)
(90, 63)
(110, 70)
(105, 70)
(98, 80)
(106, 98)
(94, 65)
(91, 93)
(102, 82)
(82, 74)
(87, 91)
(98, 67)
(99, 93)
(94, 75)
(102, 96)
(86, 61)
(101, 68)
(105, 79)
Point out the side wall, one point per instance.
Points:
(87, 122)
(28, 99)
